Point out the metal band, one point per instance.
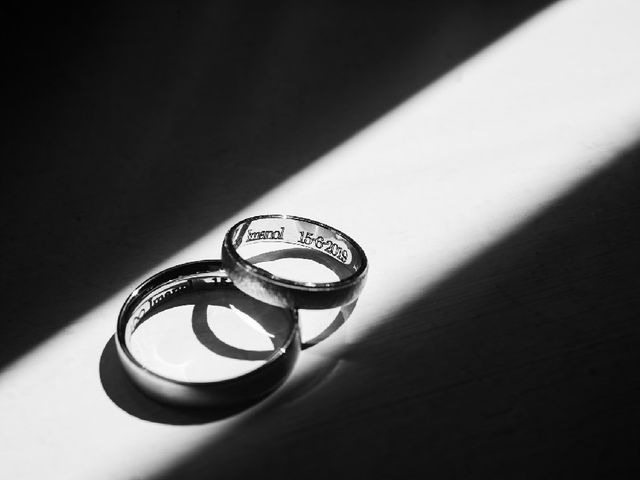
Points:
(322, 242)
(150, 296)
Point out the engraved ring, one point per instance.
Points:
(322, 243)
(206, 276)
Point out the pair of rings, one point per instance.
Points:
(279, 297)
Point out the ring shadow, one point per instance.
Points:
(128, 397)
(254, 310)
(336, 267)
(121, 390)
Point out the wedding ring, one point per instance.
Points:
(292, 236)
(203, 277)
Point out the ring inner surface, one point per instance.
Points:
(296, 250)
(201, 328)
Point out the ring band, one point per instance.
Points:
(149, 297)
(326, 244)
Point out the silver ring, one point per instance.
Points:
(323, 243)
(150, 296)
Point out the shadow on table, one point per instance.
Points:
(135, 129)
(522, 364)
(125, 395)
(273, 323)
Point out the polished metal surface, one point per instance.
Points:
(325, 244)
(148, 297)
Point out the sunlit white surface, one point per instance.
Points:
(424, 189)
